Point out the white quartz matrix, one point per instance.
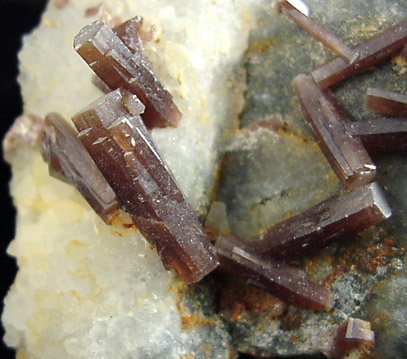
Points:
(85, 289)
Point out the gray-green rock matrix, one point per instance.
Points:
(270, 175)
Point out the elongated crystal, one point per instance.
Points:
(336, 218)
(369, 53)
(387, 102)
(318, 32)
(129, 33)
(112, 131)
(353, 333)
(70, 162)
(118, 67)
(345, 153)
(381, 135)
(287, 283)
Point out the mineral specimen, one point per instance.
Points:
(112, 131)
(69, 161)
(319, 32)
(281, 280)
(118, 67)
(344, 152)
(353, 333)
(387, 102)
(369, 53)
(381, 135)
(336, 218)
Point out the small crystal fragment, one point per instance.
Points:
(387, 102)
(285, 282)
(381, 135)
(26, 130)
(346, 154)
(318, 32)
(334, 219)
(112, 131)
(70, 162)
(118, 67)
(129, 33)
(352, 334)
(369, 53)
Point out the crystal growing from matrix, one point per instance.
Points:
(386, 102)
(345, 153)
(69, 161)
(336, 218)
(283, 281)
(116, 65)
(112, 131)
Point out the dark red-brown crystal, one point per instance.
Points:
(318, 32)
(283, 281)
(387, 102)
(118, 67)
(69, 161)
(336, 218)
(345, 153)
(112, 131)
(353, 333)
(381, 135)
(129, 33)
(369, 53)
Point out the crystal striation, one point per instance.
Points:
(281, 280)
(345, 153)
(112, 131)
(386, 102)
(336, 218)
(118, 67)
(318, 32)
(381, 135)
(369, 53)
(69, 161)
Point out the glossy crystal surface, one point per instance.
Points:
(337, 218)
(110, 58)
(381, 135)
(369, 53)
(283, 281)
(386, 102)
(345, 153)
(69, 161)
(318, 32)
(112, 131)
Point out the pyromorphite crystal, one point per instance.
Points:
(112, 131)
(345, 153)
(381, 135)
(387, 102)
(118, 67)
(332, 220)
(369, 52)
(281, 280)
(317, 31)
(69, 161)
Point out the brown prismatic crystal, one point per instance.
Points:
(387, 102)
(318, 32)
(285, 282)
(336, 218)
(369, 53)
(129, 33)
(345, 153)
(70, 162)
(352, 334)
(381, 135)
(115, 136)
(118, 67)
